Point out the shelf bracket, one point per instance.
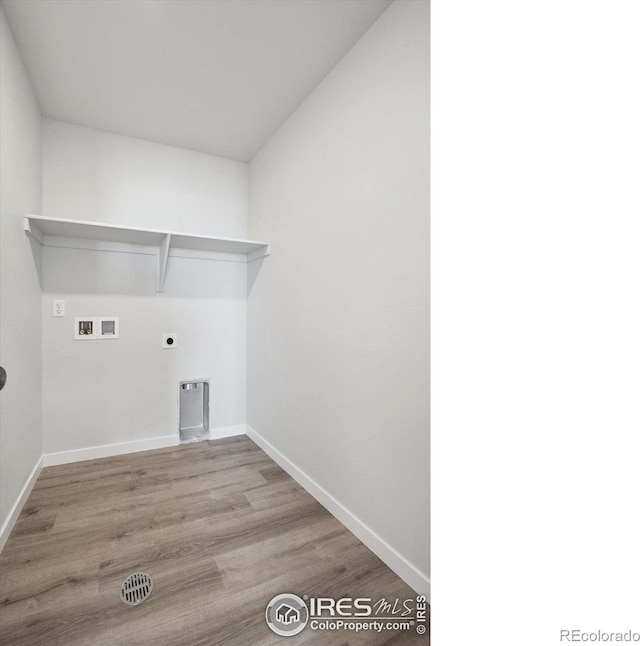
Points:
(163, 257)
(33, 232)
(259, 253)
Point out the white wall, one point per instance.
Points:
(125, 390)
(338, 336)
(98, 176)
(20, 331)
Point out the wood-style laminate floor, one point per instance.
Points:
(221, 528)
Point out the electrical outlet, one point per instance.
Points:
(58, 309)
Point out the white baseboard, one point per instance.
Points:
(108, 450)
(405, 570)
(19, 503)
(227, 431)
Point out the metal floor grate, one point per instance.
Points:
(136, 588)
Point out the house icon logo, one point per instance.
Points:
(286, 615)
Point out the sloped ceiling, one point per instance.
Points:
(217, 76)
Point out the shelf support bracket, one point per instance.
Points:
(259, 253)
(163, 257)
(33, 232)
